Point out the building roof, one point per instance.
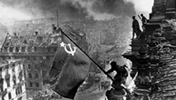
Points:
(38, 39)
(32, 40)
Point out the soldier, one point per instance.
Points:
(135, 26)
(144, 21)
(121, 73)
(118, 92)
(54, 28)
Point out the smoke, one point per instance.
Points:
(47, 8)
(142, 6)
(114, 7)
(106, 9)
(73, 9)
(12, 10)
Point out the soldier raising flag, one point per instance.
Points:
(71, 67)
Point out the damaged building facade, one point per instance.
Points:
(37, 51)
(12, 80)
(153, 54)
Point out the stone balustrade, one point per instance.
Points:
(27, 49)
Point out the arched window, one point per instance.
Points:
(36, 75)
(30, 84)
(29, 75)
(37, 84)
(10, 96)
(14, 79)
(7, 78)
(29, 67)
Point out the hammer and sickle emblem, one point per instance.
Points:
(72, 50)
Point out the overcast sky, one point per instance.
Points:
(142, 5)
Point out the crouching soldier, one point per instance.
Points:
(118, 92)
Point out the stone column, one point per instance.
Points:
(33, 49)
(8, 49)
(2, 49)
(14, 49)
(26, 49)
(20, 49)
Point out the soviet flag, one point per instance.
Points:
(70, 68)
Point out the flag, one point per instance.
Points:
(69, 70)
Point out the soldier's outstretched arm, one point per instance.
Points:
(110, 71)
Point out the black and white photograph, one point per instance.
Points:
(87, 49)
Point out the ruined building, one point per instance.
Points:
(38, 50)
(12, 80)
(154, 54)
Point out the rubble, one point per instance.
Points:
(153, 55)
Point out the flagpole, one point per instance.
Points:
(57, 18)
(87, 55)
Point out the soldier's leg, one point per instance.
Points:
(133, 35)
